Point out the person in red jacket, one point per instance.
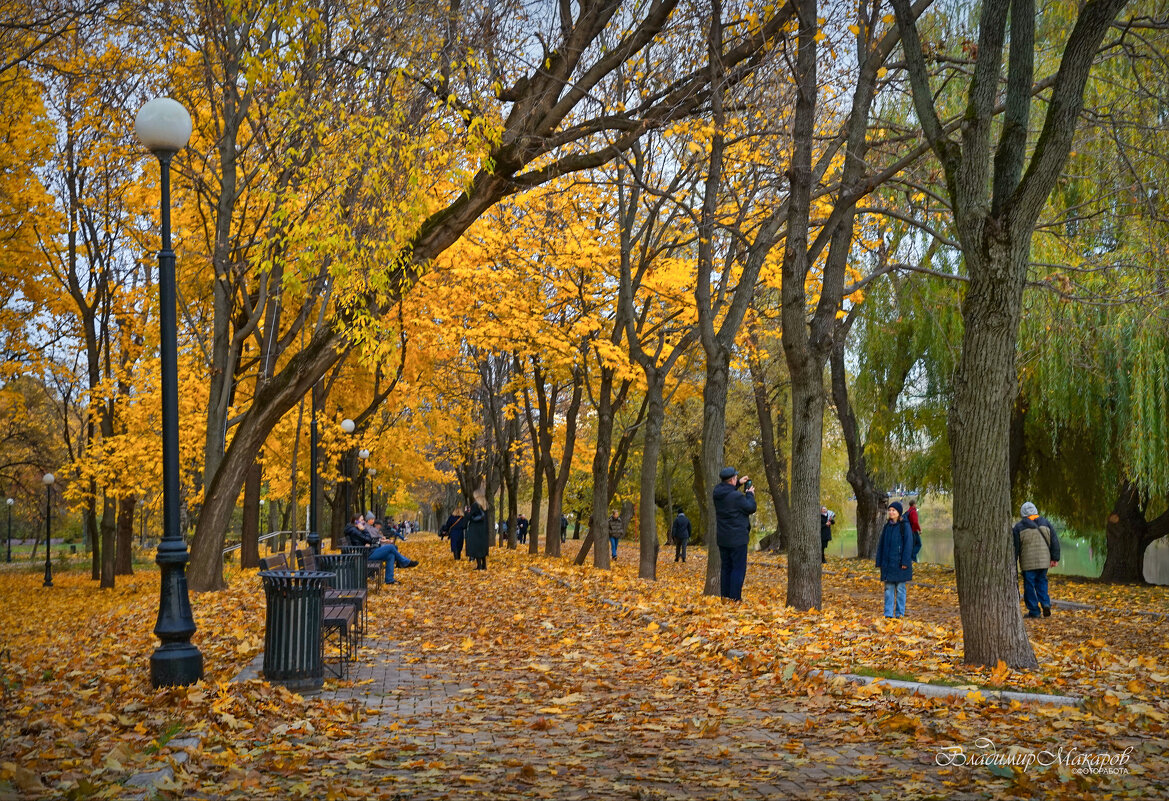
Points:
(911, 516)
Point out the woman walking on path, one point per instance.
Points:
(895, 558)
(478, 543)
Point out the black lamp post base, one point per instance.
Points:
(314, 542)
(175, 665)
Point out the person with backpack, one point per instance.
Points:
(680, 534)
(895, 558)
(1036, 549)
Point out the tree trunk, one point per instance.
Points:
(250, 531)
(804, 571)
(109, 535)
(94, 531)
(647, 566)
(870, 501)
(714, 407)
(598, 520)
(980, 418)
(276, 397)
(1129, 535)
(124, 559)
(774, 462)
(537, 504)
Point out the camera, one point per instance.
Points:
(747, 484)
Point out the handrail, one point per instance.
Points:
(268, 536)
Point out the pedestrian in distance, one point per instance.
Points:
(563, 528)
(680, 534)
(915, 526)
(478, 541)
(456, 528)
(1036, 549)
(734, 503)
(616, 530)
(895, 559)
(827, 521)
(521, 528)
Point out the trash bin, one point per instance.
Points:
(349, 567)
(293, 648)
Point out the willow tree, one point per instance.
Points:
(997, 192)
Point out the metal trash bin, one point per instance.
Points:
(293, 648)
(349, 567)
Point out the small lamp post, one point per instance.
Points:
(10, 501)
(48, 482)
(164, 126)
(314, 531)
(363, 455)
(348, 426)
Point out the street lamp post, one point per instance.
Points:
(48, 482)
(373, 493)
(363, 455)
(164, 126)
(10, 501)
(348, 426)
(314, 531)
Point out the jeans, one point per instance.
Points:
(734, 571)
(613, 542)
(680, 550)
(895, 598)
(389, 554)
(1035, 591)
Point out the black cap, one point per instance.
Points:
(727, 472)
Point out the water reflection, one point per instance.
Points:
(1077, 556)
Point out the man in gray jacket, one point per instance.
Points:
(1037, 549)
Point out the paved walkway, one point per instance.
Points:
(471, 692)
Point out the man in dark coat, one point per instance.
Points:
(733, 510)
(895, 558)
(680, 534)
(563, 528)
(1037, 549)
(521, 528)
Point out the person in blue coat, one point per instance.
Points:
(733, 510)
(895, 558)
(455, 527)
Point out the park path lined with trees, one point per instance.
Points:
(508, 684)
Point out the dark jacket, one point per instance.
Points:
(478, 543)
(894, 549)
(357, 536)
(733, 510)
(521, 526)
(680, 530)
(825, 530)
(616, 528)
(1027, 532)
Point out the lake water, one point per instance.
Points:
(1077, 557)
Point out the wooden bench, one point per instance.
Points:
(339, 620)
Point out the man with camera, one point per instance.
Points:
(733, 510)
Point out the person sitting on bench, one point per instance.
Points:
(360, 532)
